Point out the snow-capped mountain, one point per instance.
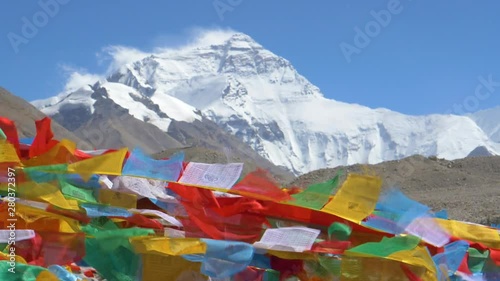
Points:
(261, 99)
(488, 121)
(109, 114)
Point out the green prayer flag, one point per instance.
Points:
(316, 196)
(387, 246)
(46, 173)
(330, 264)
(81, 194)
(98, 224)
(339, 231)
(22, 272)
(111, 254)
(477, 259)
(2, 135)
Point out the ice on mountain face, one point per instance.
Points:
(260, 98)
(136, 100)
(79, 98)
(488, 121)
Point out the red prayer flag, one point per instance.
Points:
(260, 184)
(43, 141)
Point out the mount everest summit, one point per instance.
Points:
(226, 81)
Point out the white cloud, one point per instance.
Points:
(207, 37)
(77, 77)
(117, 56)
(120, 56)
(196, 37)
(77, 80)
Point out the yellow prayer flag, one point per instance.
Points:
(472, 232)
(293, 255)
(117, 199)
(170, 268)
(8, 153)
(360, 266)
(356, 199)
(168, 246)
(18, 259)
(106, 164)
(420, 258)
(45, 192)
(40, 220)
(46, 276)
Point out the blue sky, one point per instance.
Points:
(425, 59)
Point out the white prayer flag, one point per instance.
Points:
(16, 235)
(214, 175)
(295, 239)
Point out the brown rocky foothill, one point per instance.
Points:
(469, 188)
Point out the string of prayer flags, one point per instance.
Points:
(116, 215)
